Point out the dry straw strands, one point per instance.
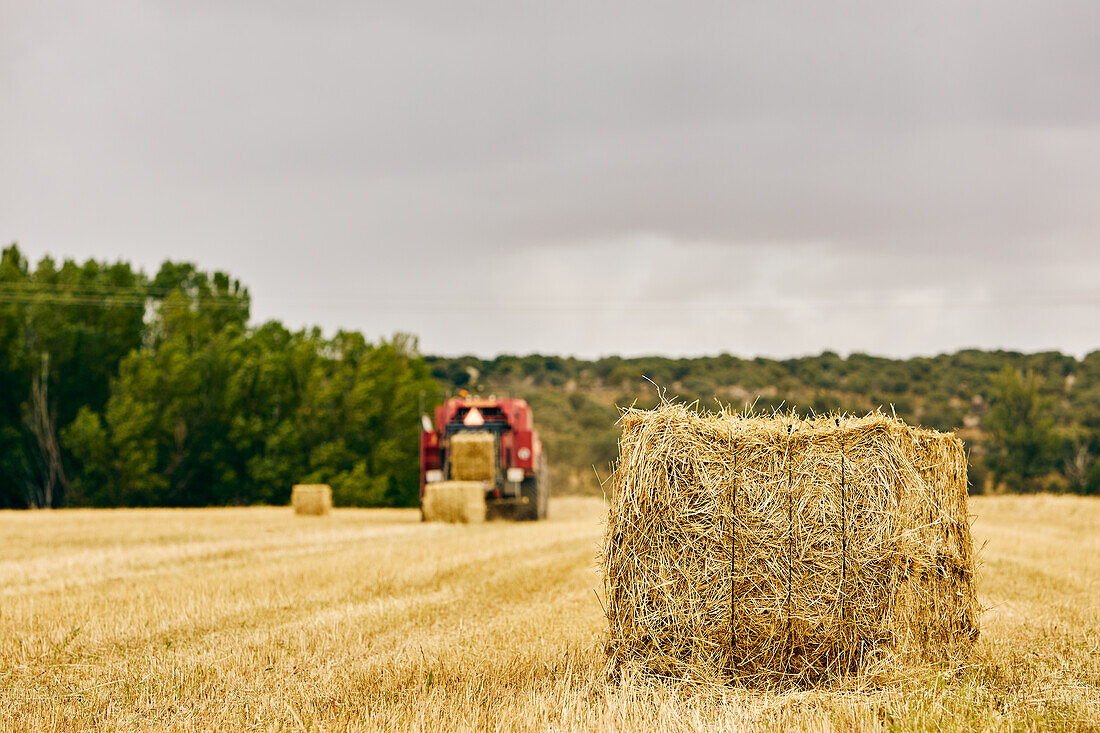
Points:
(473, 456)
(775, 551)
(455, 501)
(311, 499)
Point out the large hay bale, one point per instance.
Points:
(311, 499)
(455, 501)
(473, 456)
(777, 551)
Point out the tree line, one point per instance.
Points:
(1031, 422)
(119, 389)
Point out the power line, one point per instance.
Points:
(54, 294)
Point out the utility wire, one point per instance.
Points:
(59, 294)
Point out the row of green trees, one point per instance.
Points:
(121, 390)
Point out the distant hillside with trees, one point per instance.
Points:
(122, 389)
(1030, 421)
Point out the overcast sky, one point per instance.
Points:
(759, 178)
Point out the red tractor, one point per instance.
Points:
(488, 440)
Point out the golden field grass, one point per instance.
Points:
(255, 619)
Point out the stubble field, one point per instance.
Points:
(254, 619)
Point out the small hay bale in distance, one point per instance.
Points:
(774, 551)
(473, 456)
(311, 499)
(460, 502)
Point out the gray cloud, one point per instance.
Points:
(583, 178)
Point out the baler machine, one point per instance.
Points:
(481, 457)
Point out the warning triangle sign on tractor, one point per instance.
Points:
(473, 418)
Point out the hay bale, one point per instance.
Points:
(311, 499)
(473, 456)
(779, 551)
(455, 501)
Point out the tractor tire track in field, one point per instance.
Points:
(414, 564)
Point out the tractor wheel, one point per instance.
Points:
(544, 488)
(531, 491)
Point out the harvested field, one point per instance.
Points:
(368, 619)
